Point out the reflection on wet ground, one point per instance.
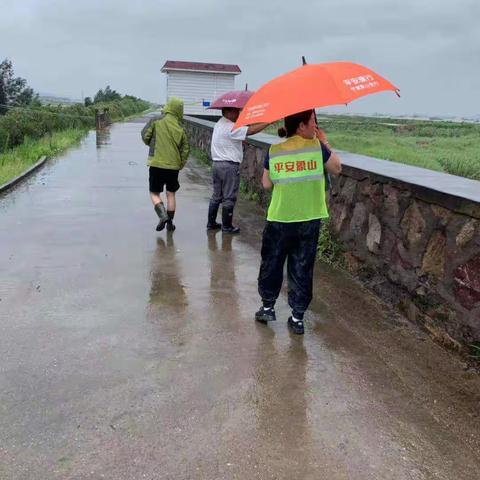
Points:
(103, 137)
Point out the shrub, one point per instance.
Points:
(35, 122)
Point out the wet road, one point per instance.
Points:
(127, 354)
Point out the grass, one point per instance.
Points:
(201, 156)
(18, 159)
(475, 350)
(329, 250)
(139, 114)
(247, 193)
(442, 146)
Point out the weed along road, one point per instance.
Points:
(129, 354)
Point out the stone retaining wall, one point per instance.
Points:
(411, 234)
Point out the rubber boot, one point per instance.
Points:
(227, 218)
(170, 225)
(162, 215)
(212, 217)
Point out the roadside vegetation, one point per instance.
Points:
(17, 160)
(29, 129)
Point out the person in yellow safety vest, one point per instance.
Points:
(295, 169)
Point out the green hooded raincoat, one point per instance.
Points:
(167, 139)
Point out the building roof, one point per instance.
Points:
(201, 67)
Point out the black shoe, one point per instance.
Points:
(296, 327)
(227, 217)
(212, 218)
(265, 316)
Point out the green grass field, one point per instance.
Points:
(19, 159)
(443, 146)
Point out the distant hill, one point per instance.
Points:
(48, 98)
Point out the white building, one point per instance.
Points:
(198, 84)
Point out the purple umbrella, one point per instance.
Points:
(233, 99)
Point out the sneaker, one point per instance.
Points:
(265, 316)
(296, 327)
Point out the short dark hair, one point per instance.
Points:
(292, 122)
(228, 109)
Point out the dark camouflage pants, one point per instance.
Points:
(297, 244)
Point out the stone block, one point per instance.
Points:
(374, 234)
(401, 270)
(389, 240)
(335, 186)
(347, 193)
(467, 233)
(391, 201)
(467, 283)
(358, 220)
(413, 225)
(338, 215)
(372, 190)
(441, 214)
(433, 261)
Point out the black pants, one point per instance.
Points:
(297, 244)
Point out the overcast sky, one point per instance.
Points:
(430, 49)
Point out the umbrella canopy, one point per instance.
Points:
(311, 86)
(233, 99)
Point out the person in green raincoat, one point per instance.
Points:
(168, 154)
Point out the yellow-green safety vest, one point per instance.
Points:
(296, 170)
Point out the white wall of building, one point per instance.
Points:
(195, 87)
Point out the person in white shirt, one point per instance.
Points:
(227, 155)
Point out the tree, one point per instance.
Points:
(107, 95)
(88, 101)
(98, 96)
(3, 98)
(111, 95)
(14, 91)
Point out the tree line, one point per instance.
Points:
(23, 116)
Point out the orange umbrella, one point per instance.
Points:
(311, 86)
